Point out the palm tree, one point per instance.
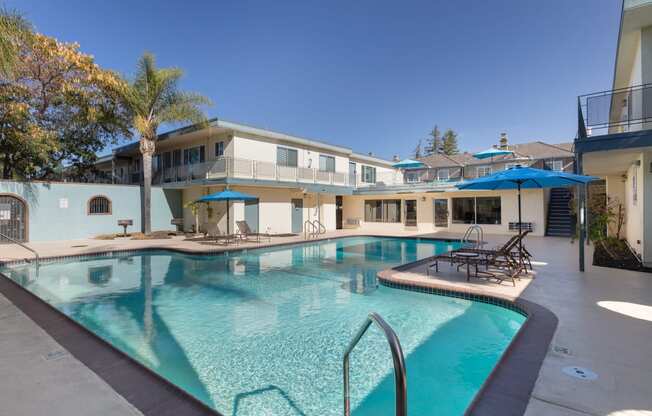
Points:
(153, 98)
(13, 29)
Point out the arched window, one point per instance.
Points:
(99, 205)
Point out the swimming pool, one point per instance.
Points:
(262, 332)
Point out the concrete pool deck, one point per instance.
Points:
(605, 325)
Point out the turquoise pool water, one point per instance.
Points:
(263, 332)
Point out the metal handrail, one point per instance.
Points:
(307, 234)
(479, 233)
(26, 247)
(400, 378)
(321, 228)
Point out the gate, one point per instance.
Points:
(13, 218)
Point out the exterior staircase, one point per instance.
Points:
(560, 219)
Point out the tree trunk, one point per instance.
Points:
(147, 150)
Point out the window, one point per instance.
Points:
(483, 170)
(443, 174)
(480, 210)
(412, 177)
(555, 165)
(287, 157)
(167, 160)
(326, 163)
(176, 157)
(368, 174)
(193, 155)
(377, 210)
(99, 205)
(463, 210)
(219, 149)
(487, 210)
(511, 165)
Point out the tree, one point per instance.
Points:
(14, 30)
(449, 143)
(62, 110)
(153, 97)
(434, 143)
(417, 151)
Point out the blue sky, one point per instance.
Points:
(373, 75)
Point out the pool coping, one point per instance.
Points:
(506, 391)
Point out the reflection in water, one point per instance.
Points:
(271, 388)
(100, 275)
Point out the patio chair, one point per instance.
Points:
(246, 233)
(218, 237)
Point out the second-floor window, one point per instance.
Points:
(368, 174)
(555, 164)
(483, 171)
(287, 157)
(443, 174)
(412, 177)
(193, 155)
(511, 165)
(219, 149)
(326, 163)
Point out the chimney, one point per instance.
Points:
(395, 158)
(503, 141)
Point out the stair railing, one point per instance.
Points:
(26, 247)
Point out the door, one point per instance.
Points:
(338, 212)
(251, 214)
(440, 212)
(13, 218)
(411, 212)
(297, 216)
(352, 173)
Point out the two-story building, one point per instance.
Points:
(614, 140)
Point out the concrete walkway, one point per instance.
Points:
(605, 325)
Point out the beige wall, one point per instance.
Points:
(274, 210)
(616, 193)
(533, 210)
(634, 209)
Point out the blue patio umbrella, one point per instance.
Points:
(520, 177)
(408, 164)
(226, 196)
(491, 153)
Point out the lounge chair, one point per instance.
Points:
(245, 232)
(218, 237)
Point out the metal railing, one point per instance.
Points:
(400, 377)
(615, 111)
(23, 245)
(479, 232)
(313, 229)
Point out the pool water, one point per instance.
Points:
(262, 332)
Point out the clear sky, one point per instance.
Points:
(373, 75)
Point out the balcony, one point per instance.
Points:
(227, 167)
(615, 111)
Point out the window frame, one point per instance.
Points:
(219, 149)
(475, 209)
(448, 174)
(289, 151)
(95, 197)
(326, 158)
(383, 204)
(550, 164)
(485, 168)
(363, 176)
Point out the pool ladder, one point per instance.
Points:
(25, 246)
(479, 241)
(312, 229)
(400, 379)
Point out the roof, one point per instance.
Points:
(243, 128)
(532, 151)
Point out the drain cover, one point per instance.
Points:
(579, 372)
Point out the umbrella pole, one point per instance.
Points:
(520, 241)
(227, 218)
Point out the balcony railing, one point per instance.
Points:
(615, 111)
(227, 167)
